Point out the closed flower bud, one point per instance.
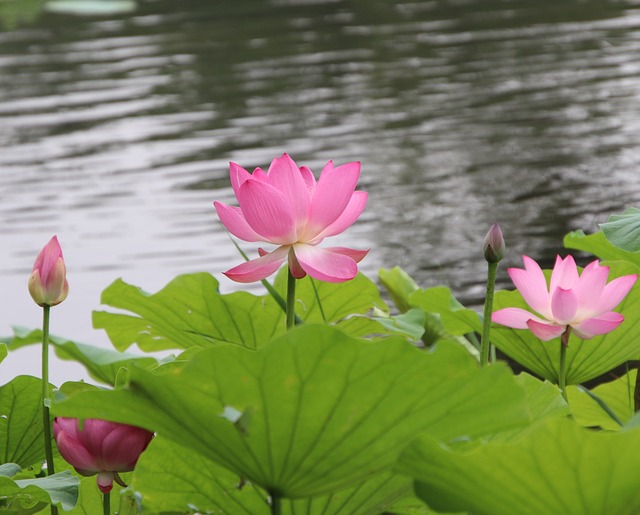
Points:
(494, 247)
(100, 447)
(48, 284)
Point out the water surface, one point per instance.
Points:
(116, 132)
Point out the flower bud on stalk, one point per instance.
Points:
(493, 250)
(493, 247)
(100, 447)
(48, 284)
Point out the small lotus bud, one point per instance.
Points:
(48, 284)
(100, 447)
(494, 247)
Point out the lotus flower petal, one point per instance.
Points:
(266, 210)
(516, 318)
(259, 268)
(354, 209)
(324, 265)
(590, 288)
(233, 219)
(76, 454)
(544, 330)
(564, 306)
(532, 285)
(285, 176)
(602, 324)
(331, 196)
(615, 291)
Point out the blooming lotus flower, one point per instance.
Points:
(582, 302)
(287, 207)
(100, 447)
(48, 284)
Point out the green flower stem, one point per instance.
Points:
(562, 373)
(291, 300)
(315, 290)
(106, 504)
(276, 504)
(46, 417)
(488, 309)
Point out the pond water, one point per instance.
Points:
(116, 130)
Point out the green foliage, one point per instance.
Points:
(188, 312)
(21, 439)
(617, 396)
(102, 365)
(598, 245)
(623, 231)
(322, 410)
(559, 468)
(24, 496)
(343, 414)
(171, 477)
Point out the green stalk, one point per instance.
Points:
(562, 373)
(46, 417)
(291, 300)
(276, 504)
(315, 290)
(488, 309)
(106, 504)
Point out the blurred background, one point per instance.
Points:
(118, 119)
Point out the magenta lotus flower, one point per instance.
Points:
(583, 302)
(48, 284)
(100, 447)
(287, 207)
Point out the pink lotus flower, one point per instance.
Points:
(48, 284)
(101, 447)
(287, 207)
(582, 302)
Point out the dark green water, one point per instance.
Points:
(116, 130)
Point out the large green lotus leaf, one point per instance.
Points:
(410, 324)
(21, 434)
(623, 231)
(586, 359)
(558, 469)
(543, 398)
(598, 245)
(101, 364)
(316, 410)
(325, 302)
(371, 497)
(3, 351)
(616, 395)
(400, 286)
(456, 319)
(24, 495)
(171, 477)
(188, 312)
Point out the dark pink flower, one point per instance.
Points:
(48, 284)
(583, 302)
(285, 206)
(100, 447)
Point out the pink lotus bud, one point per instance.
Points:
(101, 447)
(48, 284)
(493, 247)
